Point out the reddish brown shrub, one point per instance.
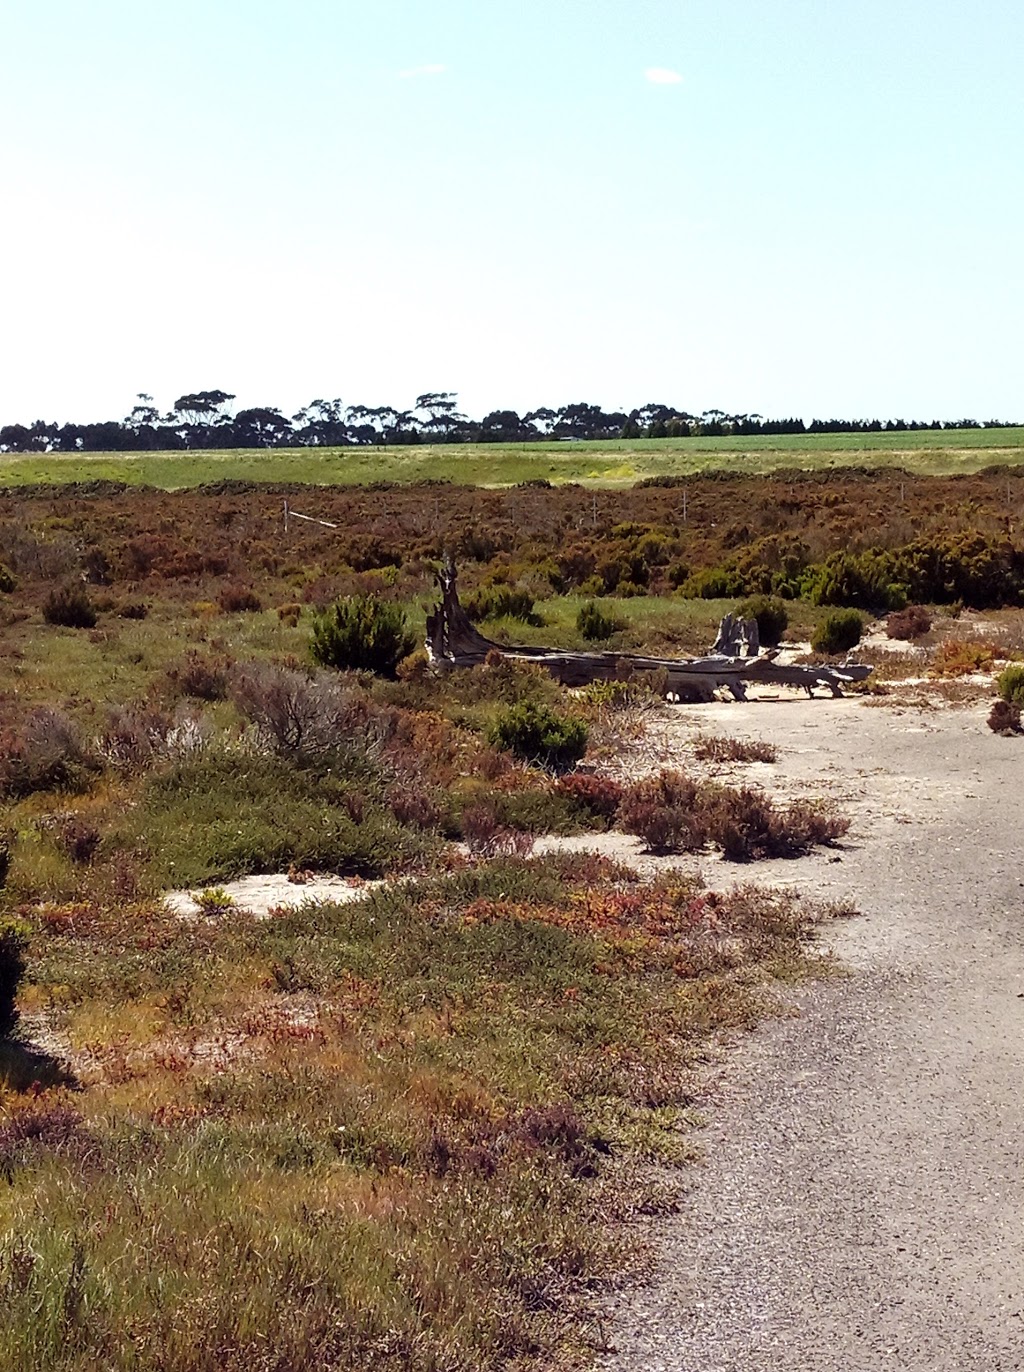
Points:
(909, 623)
(721, 749)
(201, 678)
(748, 825)
(1004, 718)
(485, 835)
(77, 837)
(415, 806)
(596, 797)
(665, 812)
(44, 752)
(238, 599)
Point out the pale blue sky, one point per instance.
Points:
(821, 217)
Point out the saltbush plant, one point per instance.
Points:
(535, 733)
(1004, 717)
(70, 607)
(910, 623)
(362, 633)
(664, 811)
(1010, 683)
(838, 632)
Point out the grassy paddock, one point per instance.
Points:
(940, 452)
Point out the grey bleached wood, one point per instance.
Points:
(453, 641)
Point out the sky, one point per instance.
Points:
(789, 207)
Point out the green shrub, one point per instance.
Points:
(500, 602)
(770, 613)
(838, 632)
(534, 733)
(593, 624)
(1010, 684)
(70, 607)
(223, 815)
(362, 633)
(13, 941)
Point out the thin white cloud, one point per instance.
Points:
(662, 76)
(428, 69)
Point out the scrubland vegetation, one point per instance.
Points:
(389, 1133)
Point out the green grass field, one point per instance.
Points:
(620, 463)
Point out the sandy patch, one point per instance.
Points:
(259, 895)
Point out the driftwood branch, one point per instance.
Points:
(453, 641)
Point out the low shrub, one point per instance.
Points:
(224, 815)
(213, 901)
(132, 609)
(485, 836)
(910, 623)
(300, 715)
(415, 806)
(838, 632)
(14, 936)
(771, 615)
(747, 824)
(238, 599)
(70, 607)
(711, 748)
(361, 633)
(500, 602)
(593, 624)
(134, 736)
(77, 837)
(201, 678)
(289, 614)
(1004, 717)
(535, 733)
(8, 581)
(1010, 684)
(593, 798)
(962, 657)
(44, 752)
(665, 812)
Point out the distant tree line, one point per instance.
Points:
(205, 420)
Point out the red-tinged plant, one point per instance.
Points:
(664, 811)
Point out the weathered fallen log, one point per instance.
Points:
(454, 641)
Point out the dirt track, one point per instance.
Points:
(862, 1203)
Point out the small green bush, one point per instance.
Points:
(70, 607)
(838, 632)
(770, 613)
(362, 633)
(1010, 684)
(13, 941)
(536, 734)
(593, 624)
(500, 602)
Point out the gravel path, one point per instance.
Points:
(862, 1202)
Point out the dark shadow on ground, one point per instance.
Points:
(25, 1068)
